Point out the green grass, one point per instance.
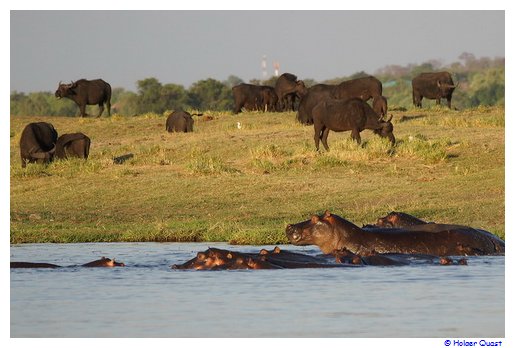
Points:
(243, 186)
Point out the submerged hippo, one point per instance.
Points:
(398, 219)
(331, 232)
(103, 262)
(220, 259)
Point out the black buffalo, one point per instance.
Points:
(353, 115)
(363, 88)
(268, 100)
(37, 143)
(287, 87)
(72, 145)
(179, 121)
(435, 85)
(254, 97)
(87, 92)
(380, 105)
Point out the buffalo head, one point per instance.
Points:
(386, 130)
(65, 90)
(446, 88)
(300, 89)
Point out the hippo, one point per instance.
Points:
(103, 262)
(220, 259)
(372, 258)
(33, 265)
(397, 219)
(446, 261)
(331, 232)
(402, 220)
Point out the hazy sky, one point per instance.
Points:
(186, 46)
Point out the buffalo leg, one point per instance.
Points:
(325, 134)
(82, 110)
(101, 109)
(449, 102)
(437, 101)
(417, 100)
(317, 137)
(108, 104)
(355, 135)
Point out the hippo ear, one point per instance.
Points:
(315, 219)
(277, 250)
(327, 214)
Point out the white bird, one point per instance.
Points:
(238, 125)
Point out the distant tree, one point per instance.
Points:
(270, 81)
(422, 68)
(232, 81)
(210, 94)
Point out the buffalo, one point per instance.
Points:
(344, 115)
(254, 97)
(179, 121)
(363, 88)
(72, 145)
(268, 100)
(380, 105)
(287, 87)
(435, 85)
(37, 143)
(87, 92)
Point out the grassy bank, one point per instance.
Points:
(222, 183)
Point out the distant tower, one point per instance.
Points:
(276, 68)
(263, 67)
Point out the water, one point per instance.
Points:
(148, 299)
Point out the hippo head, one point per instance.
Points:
(316, 231)
(389, 220)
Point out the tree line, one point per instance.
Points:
(481, 83)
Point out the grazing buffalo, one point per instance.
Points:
(87, 92)
(179, 121)
(353, 115)
(435, 85)
(72, 145)
(287, 88)
(380, 105)
(37, 143)
(363, 88)
(331, 233)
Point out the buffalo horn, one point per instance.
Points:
(391, 116)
